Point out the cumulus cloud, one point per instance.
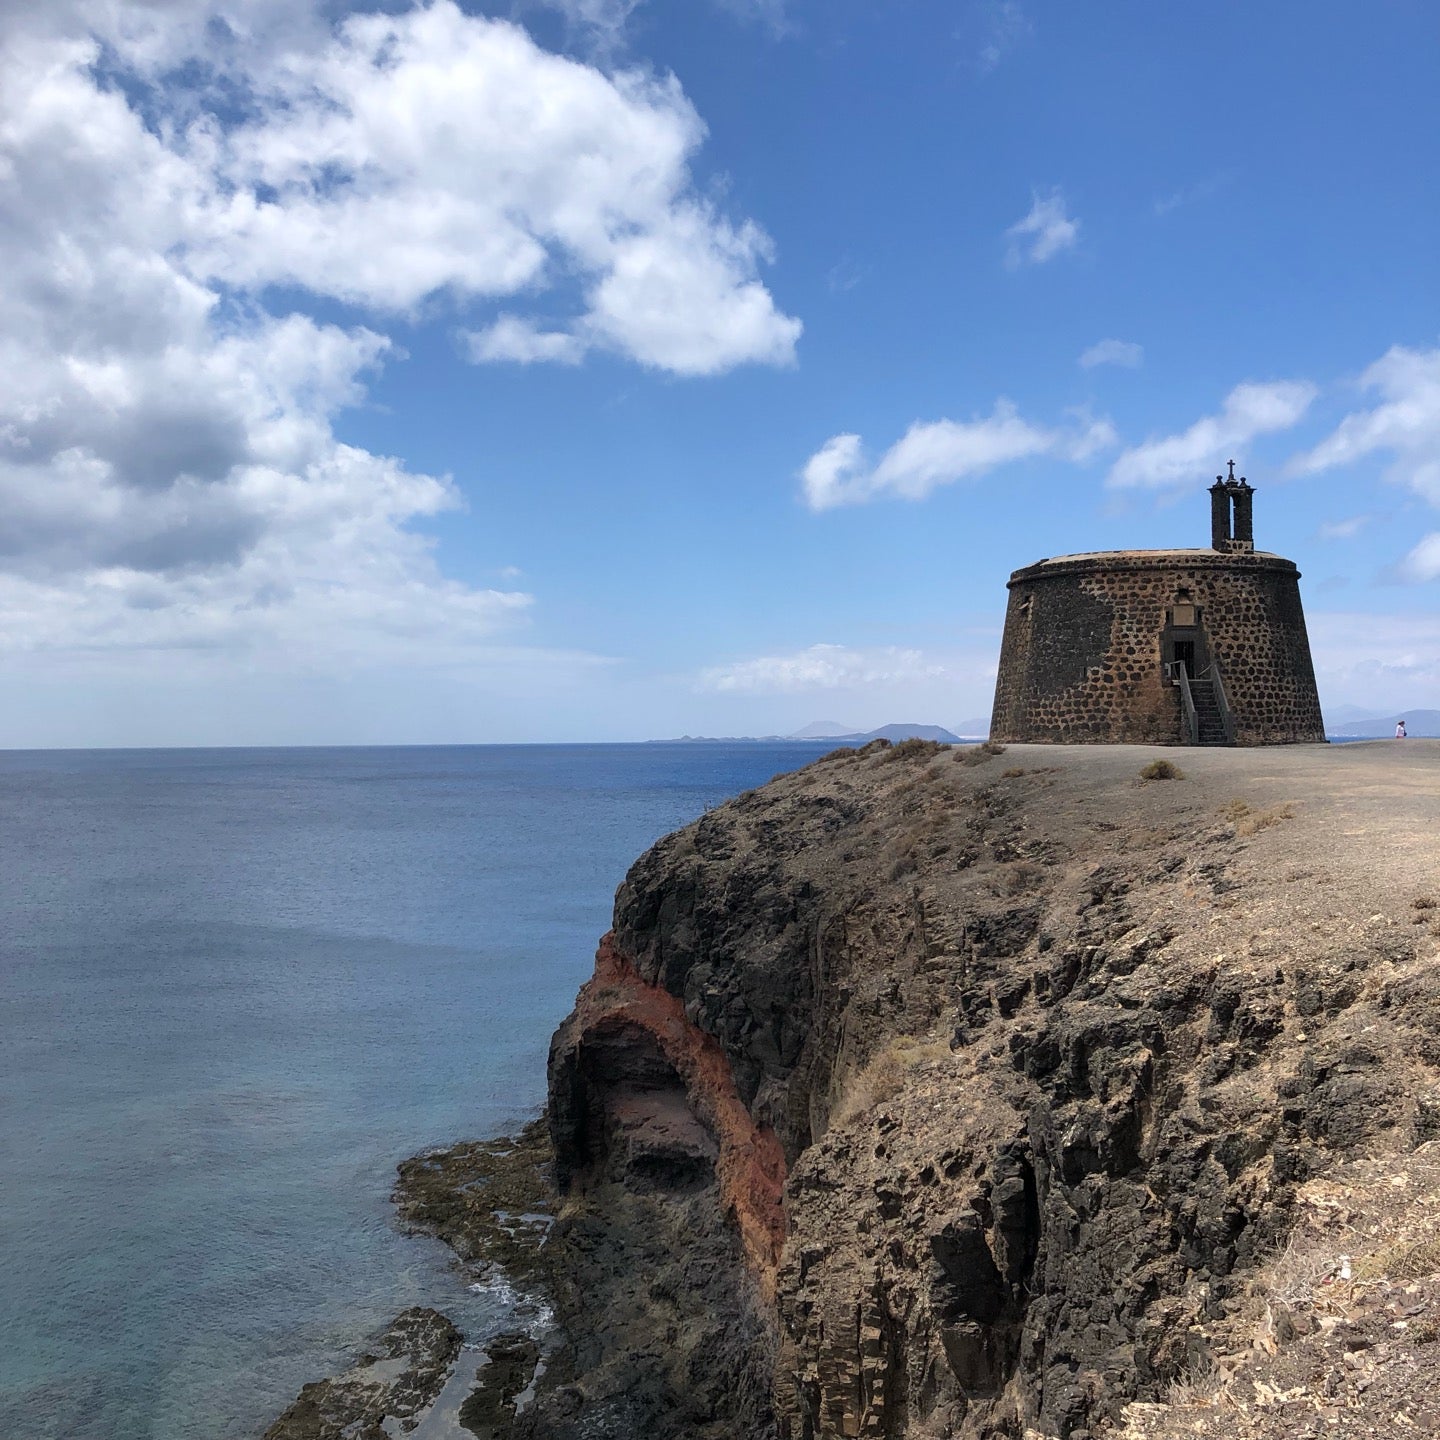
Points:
(1423, 562)
(511, 338)
(940, 452)
(1125, 353)
(433, 151)
(1405, 425)
(820, 667)
(1249, 410)
(1043, 233)
(170, 473)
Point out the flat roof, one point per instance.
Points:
(1153, 555)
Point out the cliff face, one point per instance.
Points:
(930, 1092)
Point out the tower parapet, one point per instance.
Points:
(1161, 646)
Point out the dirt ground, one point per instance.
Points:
(1379, 799)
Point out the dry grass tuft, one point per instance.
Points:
(1423, 902)
(1249, 821)
(978, 754)
(1201, 1388)
(1295, 1272)
(914, 749)
(1409, 1260)
(1022, 877)
(1162, 770)
(1013, 773)
(884, 1077)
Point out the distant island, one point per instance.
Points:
(829, 730)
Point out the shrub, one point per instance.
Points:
(977, 754)
(1022, 876)
(1162, 770)
(913, 749)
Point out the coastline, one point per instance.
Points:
(493, 1203)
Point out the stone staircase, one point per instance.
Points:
(1210, 722)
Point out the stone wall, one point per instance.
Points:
(1081, 658)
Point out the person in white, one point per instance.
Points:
(1399, 729)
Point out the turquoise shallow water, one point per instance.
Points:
(236, 987)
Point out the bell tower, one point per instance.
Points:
(1232, 514)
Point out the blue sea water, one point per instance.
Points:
(236, 988)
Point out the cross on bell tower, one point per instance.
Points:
(1232, 515)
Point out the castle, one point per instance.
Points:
(1168, 647)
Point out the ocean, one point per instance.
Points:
(236, 988)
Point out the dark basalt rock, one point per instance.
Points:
(398, 1381)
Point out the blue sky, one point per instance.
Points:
(608, 369)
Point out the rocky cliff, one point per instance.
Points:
(932, 1092)
(940, 1092)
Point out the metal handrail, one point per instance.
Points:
(1224, 704)
(1192, 721)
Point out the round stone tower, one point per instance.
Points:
(1167, 647)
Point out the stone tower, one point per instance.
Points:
(1167, 647)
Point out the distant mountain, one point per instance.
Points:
(904, 732)
(1423, 724)
(822, 730)
(968, 729)
(1345, 714)
(812, 733)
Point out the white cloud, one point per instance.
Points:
(1423, 562)
(605, 21)
(435, 152)
(1043, 233)
(821, 667)
(1192, 194)
(1113, 352)
(677, 298)
(170, 475)
(939, 452)
(1006, 26)
(773, 15)
(1344, 529)
(1405, 424)
(1089, 437)
(1249, 410)
(511, 338)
